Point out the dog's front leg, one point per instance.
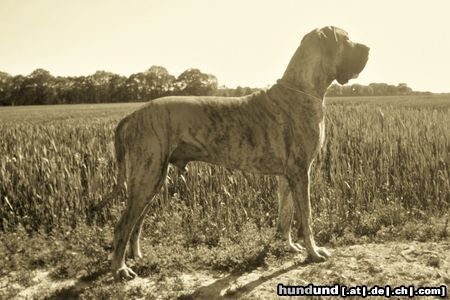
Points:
(299, 185)
(286, 213)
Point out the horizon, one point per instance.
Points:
(222, 86)
(242, 44)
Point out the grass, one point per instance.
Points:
(430, 101)
(382, 174)
(381, 164)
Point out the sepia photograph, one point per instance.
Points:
(203, 150)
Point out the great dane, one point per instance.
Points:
(278, 131)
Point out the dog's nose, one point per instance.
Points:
(364, 47)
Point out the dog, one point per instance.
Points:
(278, 131)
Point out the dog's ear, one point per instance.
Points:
(330, 32)
(329, 38)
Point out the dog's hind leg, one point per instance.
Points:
(144, 182)
(286, 213)
(135, 249)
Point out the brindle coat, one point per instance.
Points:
(278, 131)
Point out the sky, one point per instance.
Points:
(242, 42)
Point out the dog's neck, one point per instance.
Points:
(288, 86)
(305, 72)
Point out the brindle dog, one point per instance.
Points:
(278, 131)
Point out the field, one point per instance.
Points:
(383, 175)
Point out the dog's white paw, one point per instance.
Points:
(317, 255)
(296, 247)
(124, 273)
(323, 252)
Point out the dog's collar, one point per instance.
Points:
(281, 83)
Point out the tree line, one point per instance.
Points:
(373, 89)
(40, 87)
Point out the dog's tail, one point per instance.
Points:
(120, 147)
(120, 151)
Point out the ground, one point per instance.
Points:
(394, 264)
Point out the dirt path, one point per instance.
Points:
(394, 264)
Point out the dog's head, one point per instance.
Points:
(341, 58)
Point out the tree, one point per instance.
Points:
(99, 87)
(154, 83)
(116, 90)
(158, 82)
(194, 82)
(133, 87)
(5, 88)
(347, 91)
(16, 96)
(62, 85)
(379, 89)
(239, 91)
(366, 90)
(334, 90)
(357, 89)
(38, 88)
(71, 90)
(403, 89)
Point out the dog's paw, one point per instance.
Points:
(323, 252)
(296, 247)
(124, 273)
(315, 258)
(318, 255)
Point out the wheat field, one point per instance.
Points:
(385, 160)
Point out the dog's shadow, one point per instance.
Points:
(218, 289)
(74, 292)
